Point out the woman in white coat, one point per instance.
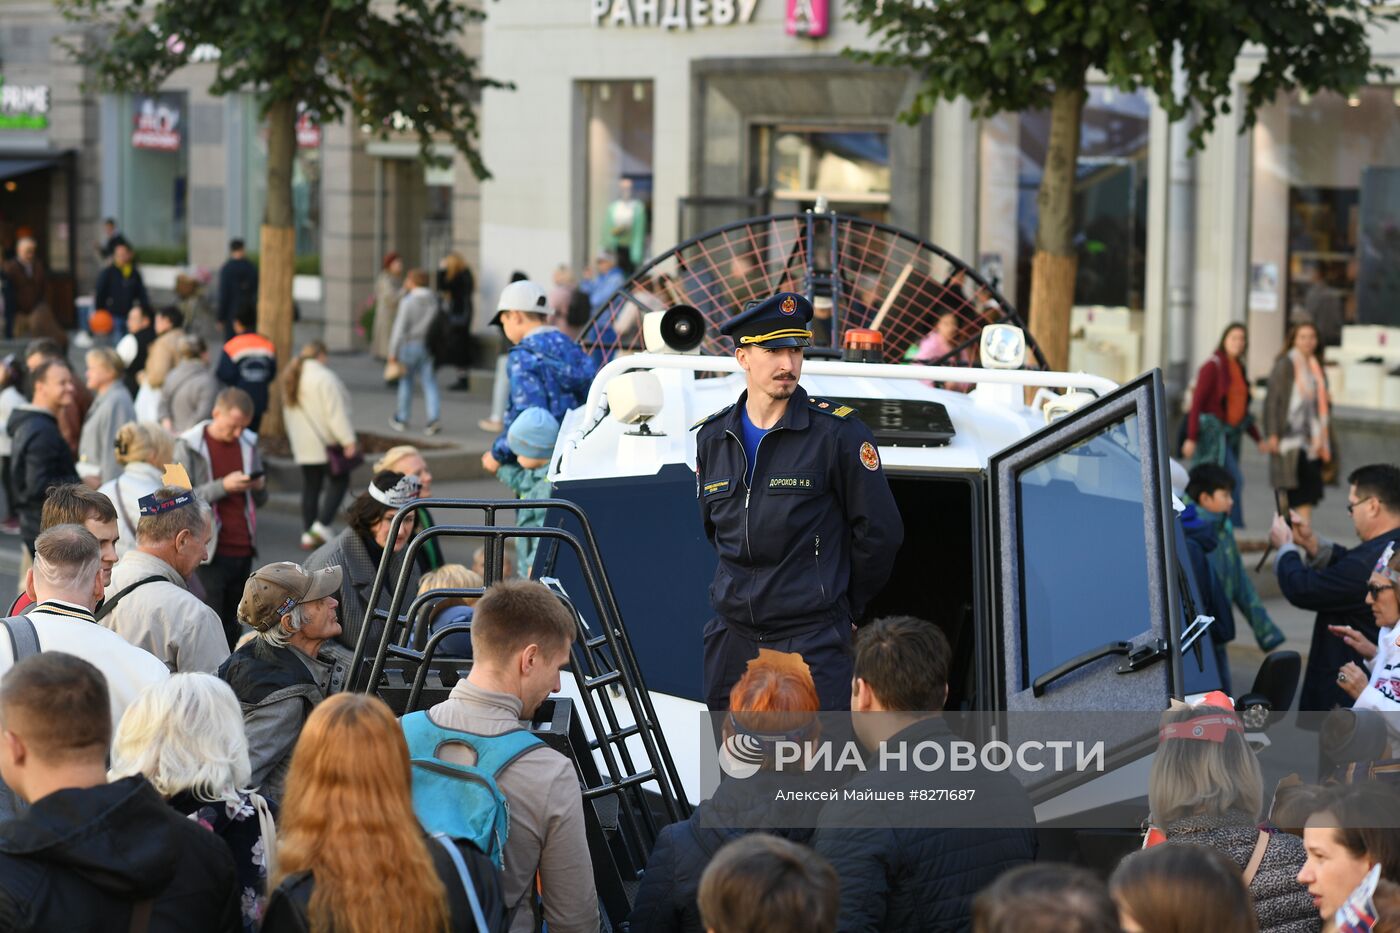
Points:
(143, 450)
(316, 407)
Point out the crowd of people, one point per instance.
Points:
(259, 796)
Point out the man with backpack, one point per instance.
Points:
(521, 635)
(65, 584)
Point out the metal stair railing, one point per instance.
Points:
(602, 662)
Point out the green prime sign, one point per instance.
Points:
(23, 107)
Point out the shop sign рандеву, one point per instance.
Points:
(672, 14)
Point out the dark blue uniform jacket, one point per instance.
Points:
(814, 539)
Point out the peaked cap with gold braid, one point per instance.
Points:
(774, 323)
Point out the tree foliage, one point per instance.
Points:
(1011, 55)
(386, 67)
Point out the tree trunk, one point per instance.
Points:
(278, 250)
(1056, 262)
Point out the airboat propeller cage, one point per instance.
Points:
(677, 330)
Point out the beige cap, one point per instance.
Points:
(276, 589)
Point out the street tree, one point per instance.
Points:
(385, 66)
(1018, 55)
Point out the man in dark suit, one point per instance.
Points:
(1330, 579)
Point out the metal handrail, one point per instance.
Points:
(600, 590)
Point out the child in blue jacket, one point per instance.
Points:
(531, 438)
(1212, 488)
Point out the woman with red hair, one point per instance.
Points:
(388, 289)
(774, 700)
(351, 856)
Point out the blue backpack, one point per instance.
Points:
(463, 801)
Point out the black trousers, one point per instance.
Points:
(313, 507)
(826, 649)
(223, 579)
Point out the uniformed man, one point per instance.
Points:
(798, 509)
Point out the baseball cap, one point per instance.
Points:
(522, 296)
(276, 589)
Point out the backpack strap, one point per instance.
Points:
(106, 608)
(24, 640)
(468, 885)
(1257, 858)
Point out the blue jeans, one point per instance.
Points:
(417, 363)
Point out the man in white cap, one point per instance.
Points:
(276, 675)
(546, 369)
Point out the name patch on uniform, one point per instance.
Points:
(715, 486)
(869, 458)
(791, 482)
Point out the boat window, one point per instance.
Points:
(1083, 548)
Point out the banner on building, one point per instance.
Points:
(156, 125)
(23, 106)
(808, 19)
(308, 131)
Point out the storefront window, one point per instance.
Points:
(618, 152)
(1110, 199)
(1325, 205)
(155, 177)
(306, 186)
(848, 167)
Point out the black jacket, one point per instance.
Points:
(1333, 586)
(287, 907)
(79, 859)
(815, 538)
(238, 287)
(117, 293)
(39, 458)
(899, 877)
(666, 900)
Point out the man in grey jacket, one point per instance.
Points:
(147, 602)
(226, 470)
(276, 675)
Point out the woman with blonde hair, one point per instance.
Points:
(185, 735)
(316, 406)
(451, 610)
(143, 449)
(409, 460)
(111, 408)
(1207, 789)
(352, 857)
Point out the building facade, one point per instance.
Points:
(709, 111)
(715, 112)
(183, 173)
